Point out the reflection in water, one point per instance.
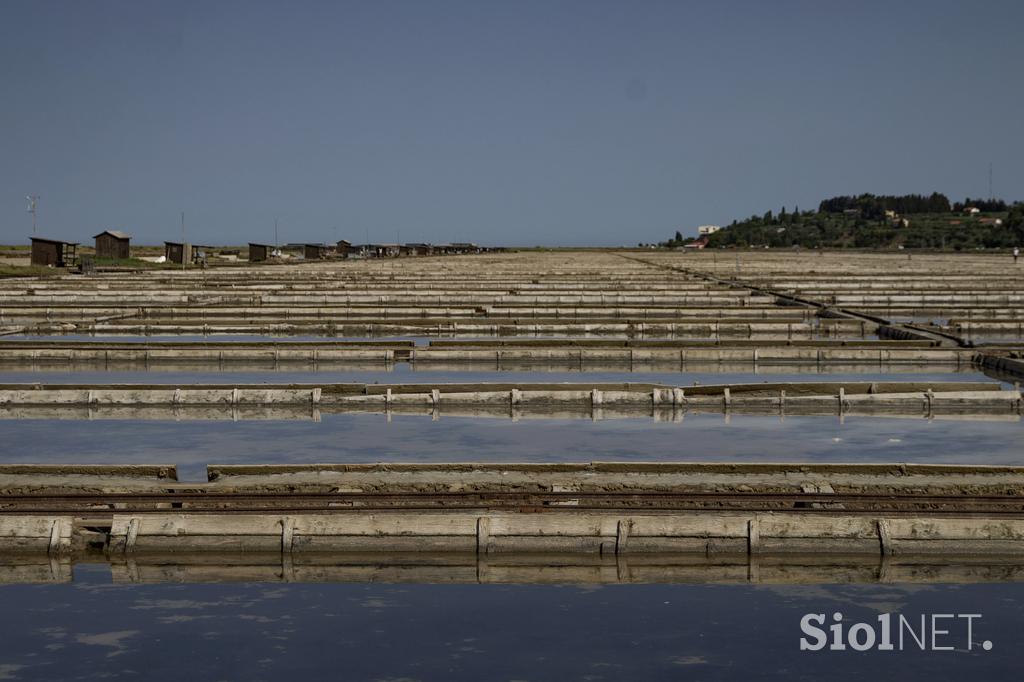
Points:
(372, 438)
(512, 568)
(459, 618)
(473, 373)
(353, 631)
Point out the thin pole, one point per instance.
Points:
(33, 201)
(277, 241)
(183, 247)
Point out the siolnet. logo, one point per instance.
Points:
(892, 632)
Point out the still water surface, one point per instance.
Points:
(91, 629)
(372, 438)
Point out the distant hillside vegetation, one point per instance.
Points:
(870, 221)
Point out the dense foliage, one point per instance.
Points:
(916, 221)
(871, 206)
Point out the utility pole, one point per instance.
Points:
(277, 241)
(183, 245)
(990, 195)
(33, 202)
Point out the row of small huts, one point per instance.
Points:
(116, 245)
(110, 244)
(59, 253)
(346, 249)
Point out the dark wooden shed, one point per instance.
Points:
(178, 252)
(53, 252)
(113, 244)
(314, 251)
(419, 249)
(344, 248)
(259, 252)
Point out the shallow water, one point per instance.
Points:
(372, 438)
(408, 373)
(1008, 338)
(369, 631)
(93, 629)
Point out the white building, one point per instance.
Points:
(705, 230)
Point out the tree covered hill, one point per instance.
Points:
(872, 221)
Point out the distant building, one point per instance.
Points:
(113, 244)
(314, 251)
(381, 250)
(420, 249)
(259, 252)
(53, 252)
(990, 221)
(972, 210)
(707, 230)
(344, 248)
(699, 244)
(178, 252)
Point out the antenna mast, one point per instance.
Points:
(183, 247)
(33, 203)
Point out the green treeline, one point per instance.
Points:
(874, 207)
(870, 221)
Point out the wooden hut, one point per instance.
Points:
(113, 244)
(314, 251)
(178, 252)
(259, 252)
(344, 248)
(53, 252)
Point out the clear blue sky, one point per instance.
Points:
(515, 122)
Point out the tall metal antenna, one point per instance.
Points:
(183, 247)
(33, 203)
(277, 242)
(990, 195)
